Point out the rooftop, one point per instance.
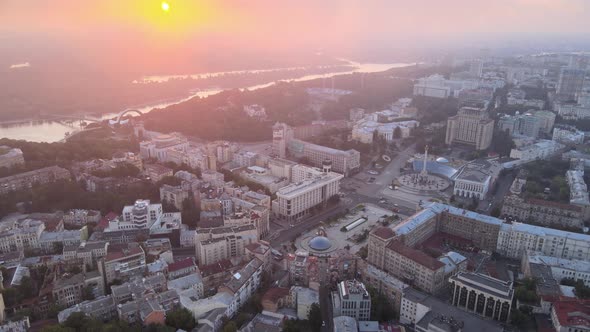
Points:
(415, 255)
(573, 313)
(502, 289)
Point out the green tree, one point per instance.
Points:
(27, 287)
(230, 327)
(181, 319)
(57, 328)
(397, 132)
(87, 293)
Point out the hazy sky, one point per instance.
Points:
(299, 22)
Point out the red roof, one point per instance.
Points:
(104, 221)
(573, 313)
(116, 252)
(275, 294)
(384, 233)
(181, 265)
(218, 267)
(415, 255)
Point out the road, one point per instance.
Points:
(326, 308)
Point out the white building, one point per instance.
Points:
(255, 111)
(352, 299)
(516, 238)
(472, 183)
(568, 135)
(578, 187)
(543, 149)
(297, 199)
(303, 298)
(433, 86)
(561, 268)
(141, 215)
(158, 147)
(363, 131)
(572, 111)
(10, 157)
(243, 284)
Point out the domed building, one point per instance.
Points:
(320, 243)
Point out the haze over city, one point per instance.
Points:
(294, 166)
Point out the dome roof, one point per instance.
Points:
(320, 243)
(442, 160)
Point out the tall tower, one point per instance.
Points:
(281, 136)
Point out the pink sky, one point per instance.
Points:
(288, 23)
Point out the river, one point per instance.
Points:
(53, 131)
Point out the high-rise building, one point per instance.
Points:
(570, 83)
(470, 126)
(281, 135)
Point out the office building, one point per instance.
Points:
(142, 214)
(352, 299)
(542, 149)
(483, 295)
(433, 86)
(296, 200)
(220, 243)
(471, 126)
(561, 268)
(158, 147)
(174, 195)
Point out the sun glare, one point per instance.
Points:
(165, 6)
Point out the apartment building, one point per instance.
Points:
(352, 299)
(26, 180)
(243, 284)
(174, 195)
(219, 243)
(68, 290)
(20, 234)
(516, 238)
(561, 268)
(543, 212)
(80, 217)
(103, 308)
(123, 261)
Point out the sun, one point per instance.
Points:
(165, 6)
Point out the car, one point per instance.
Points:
(323, 323)
(390, 187)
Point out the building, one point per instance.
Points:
(156, 172)
(578, 188)
(20, 234)
(26, 180)
(543, 149)
(245, 158)
(137, 288)
(150, 309)
(415, 267)
(568, 316)
(571, 82)
(68, 290)
(568, 135)
(220, 243)
(547, 120)
(296, 200)
(516, 238)
(79, 217)
(10, 157)
(242, 284)
(48, 241)
(174, 195)
(302, 299)
(21, 325)
(140, 215)
(193, 281)
(471, 126)
(182, 268)
(345, 324)
(433, 86)
(546, 213)
(103, 308)
(483, 295)
(384, 283)
(472, 183)
(352, 299)
(365, 129)
(560, 268)
(255, 111)
(87, 253)
(570, 111)
(426, 313)
(158, 147)
(123, 261)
